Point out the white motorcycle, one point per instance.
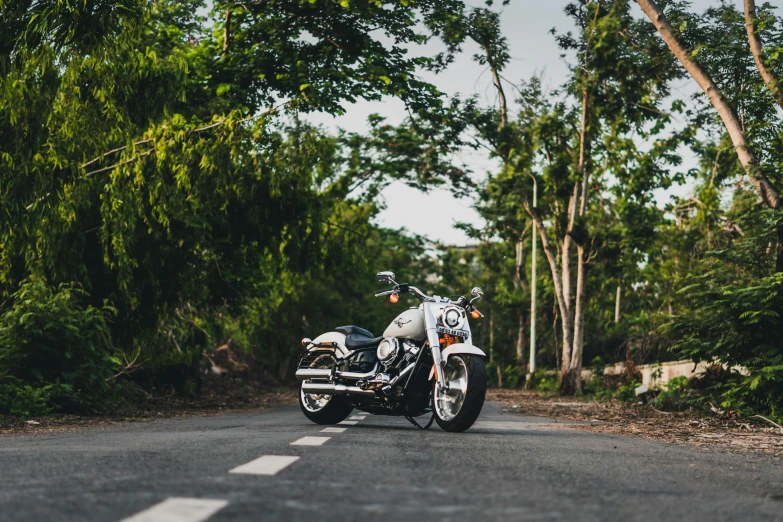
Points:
(393, 374)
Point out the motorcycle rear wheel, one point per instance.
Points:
(457, 408)
(322, 408)
(329, 410)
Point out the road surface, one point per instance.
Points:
(274, 465)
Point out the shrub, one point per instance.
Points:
(759, 392)
(55, 351)
(677, 395)
(545, 381)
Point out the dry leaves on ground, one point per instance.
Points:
(727, 430)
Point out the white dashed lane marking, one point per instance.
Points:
(177, 509)
(333, 430)
(349, 423)
(310, 441)
(266, 465)
(358, 417)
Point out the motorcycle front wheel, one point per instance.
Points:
(458, 406)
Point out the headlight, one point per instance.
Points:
(388, 349)
(452, 317)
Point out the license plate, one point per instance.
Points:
(457, 333)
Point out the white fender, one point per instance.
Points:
(458, 348)
(331, 337)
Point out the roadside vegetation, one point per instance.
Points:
(165, 196)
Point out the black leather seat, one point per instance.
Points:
(356, 337)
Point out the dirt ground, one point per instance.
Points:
(723, 429)
(221, 397)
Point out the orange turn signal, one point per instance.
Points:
(475, 314)
(393, 298)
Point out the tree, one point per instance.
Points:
(734, 127)
(615, 91)
(155, 157)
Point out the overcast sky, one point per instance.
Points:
(526, 24)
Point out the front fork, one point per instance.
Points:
(432, 337)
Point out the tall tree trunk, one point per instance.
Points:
(571, 378)
(520, 277)
(227, 32)
(565, 263)
(757, 48)
(617, 304)
(491, 335)
(779, 258)
(747, 158)
(521, 340)
(573, 382)
(501, 94)
(566, 318)
(483, 339)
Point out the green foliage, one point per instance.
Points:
(544, 380)
(626, 392)
(678, 395)
(55, 350)
(761, 391)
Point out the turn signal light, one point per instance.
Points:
(393, 298)
(448, 340)
(475, 314)
(306, 341)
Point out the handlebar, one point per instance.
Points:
(405, 288)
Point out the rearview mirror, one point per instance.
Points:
(477, 293)
(385, 277)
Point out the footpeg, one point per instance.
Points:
(378, 382)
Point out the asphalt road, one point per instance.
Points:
(508, 467)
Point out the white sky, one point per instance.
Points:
(526, 24)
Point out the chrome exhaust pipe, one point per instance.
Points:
(333, 389)
(313, 373)
(304, 374)
(358, 376)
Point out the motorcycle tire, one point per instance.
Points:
(334, 412)
(472, 397)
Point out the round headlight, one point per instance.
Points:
(451, 317)
(387, 349)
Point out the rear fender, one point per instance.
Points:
(334, 341)
(455, 349)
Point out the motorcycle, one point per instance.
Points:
(424, 362)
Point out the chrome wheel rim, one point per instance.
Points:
(315, 402)
(448, 402)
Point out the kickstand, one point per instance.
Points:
(427, 426)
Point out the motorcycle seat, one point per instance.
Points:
(356, 337)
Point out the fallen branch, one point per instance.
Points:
(771, 422)
(661, 412)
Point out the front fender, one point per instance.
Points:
(458, 348)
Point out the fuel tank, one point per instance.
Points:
(407, 325)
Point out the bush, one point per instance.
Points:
(737, 322)
(55, 351)
(545, 380)
(759, 392)
(677, 395)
